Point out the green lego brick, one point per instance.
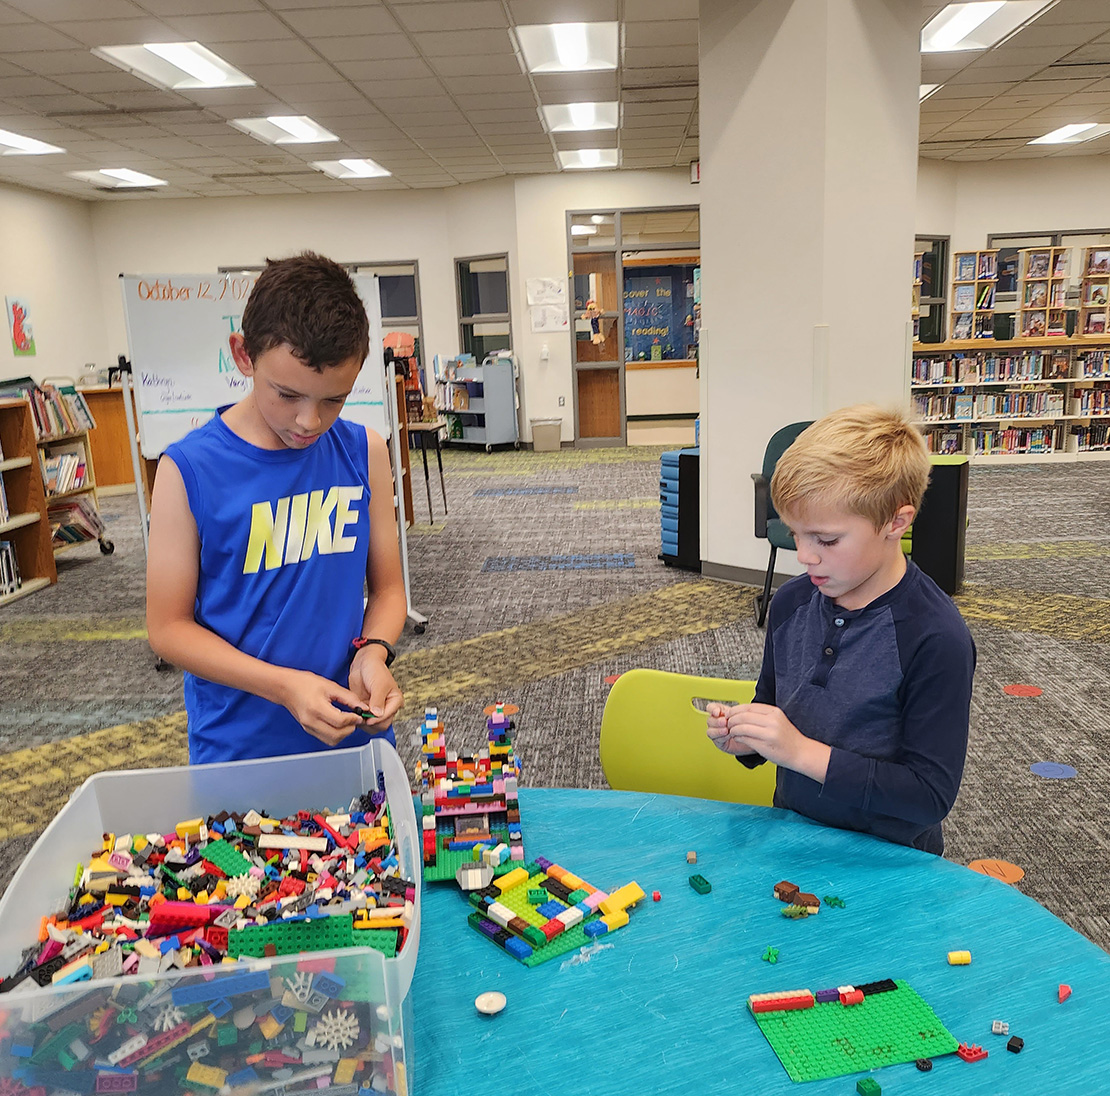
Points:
(383, 940)
(537, 895)
(290, 937)
(577, 896)
(700, 884)
(227, 858)
(868, 1086)
(227, 1035)
(833, 1040)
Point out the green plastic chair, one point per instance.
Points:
(653, 739)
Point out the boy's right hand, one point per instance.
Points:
(717, 728)
(312, 701)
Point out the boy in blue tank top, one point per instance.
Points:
(266, 526)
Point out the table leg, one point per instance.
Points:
(439, 461)
(427, 478)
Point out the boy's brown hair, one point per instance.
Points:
(861, 459)
(311, 304)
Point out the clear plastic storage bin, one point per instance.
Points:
(61, 1039)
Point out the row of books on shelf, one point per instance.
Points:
(63, 470)
(10, 578)
(1040, 264)
(5, 512)
(1093, 401)
(965, 407)
(74, 521)
(970, 298)
(973, 325)
(1038, 324)
(1041, 439)
(1093, 438)
(1029, 365)
(54, 410)
(972, 266)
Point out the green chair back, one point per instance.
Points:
(653, 739)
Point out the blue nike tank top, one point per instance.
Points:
(284, 542)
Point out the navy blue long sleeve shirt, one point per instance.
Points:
(888, 688)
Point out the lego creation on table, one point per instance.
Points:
(542, 911)
(176, 907)
(849, 1029)
(468, 802)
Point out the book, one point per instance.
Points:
(1057, 323)
(962, 327)
(950, 441)
(1036, 294)
(965, 298)
(1058, 367)
(964, 407)
(988, 264)
(1097, 293)
(74, 521)
(5, 512)
(1033, 325)
(1060, 266)
(965, 268)
(985, 298)
(1098, 261)
(1037, 265)
(1094, 323)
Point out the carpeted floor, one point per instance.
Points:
(74, 661)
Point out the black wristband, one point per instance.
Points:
(363, 641)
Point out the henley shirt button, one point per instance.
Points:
(839, 622)
(828, 650)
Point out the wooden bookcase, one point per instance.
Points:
(974, 280)
(1042, 293)
(77, 443)
(1094, 293)
(27, 526)
(1015, 400)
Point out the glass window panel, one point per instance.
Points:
(398, 294)
(597, 339)
(659, 309)
(484, 287)
(660, 226)
(481, 339)
(595, 279)
(593, 230)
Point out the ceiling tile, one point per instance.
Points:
(671, 32)
(660, 9)
(364, 48)
(319, 21)
(523, 100)
(655, 57)
(450, 43)
(276, 51)
(502, 65)
(119, 32)
(213, 30)
(34, 36)
(525, 12)
(459, 15)
(575, 87)
(488, 85)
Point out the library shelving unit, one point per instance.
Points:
(915, 300)
(480, 403)
(974, 280)
(1094, 293)
(73, 506)
(1014, 400)
(1042, 293)
(26, 525)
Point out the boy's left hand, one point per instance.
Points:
(766, 730)
(371, 680)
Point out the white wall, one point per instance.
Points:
(47, 259)
(936, 197)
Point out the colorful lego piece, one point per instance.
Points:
(700, 884)
(770, 955)
(959, 958)
(1063, 993)
(868, 1086)
(971, 1052)
(924, 1064)
(1000, 1027)
(691, 857)
(1015, 1044)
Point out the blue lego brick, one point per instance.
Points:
(281, 1013)
(596, 928)
(550, 909)
(517, 947)
(250, 982)
(331, 985)
(220, 1008)
(242, 1077)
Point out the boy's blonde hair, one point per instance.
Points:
(861, 459)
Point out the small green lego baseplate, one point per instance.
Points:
(291, 937)
(448, 861)
(833, 1040)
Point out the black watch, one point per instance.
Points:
(364, 641)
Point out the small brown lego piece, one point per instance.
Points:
(785, 891)
(811, 902)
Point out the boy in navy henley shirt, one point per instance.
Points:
(864, 695)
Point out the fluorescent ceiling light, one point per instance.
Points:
(979, 24)
(583, 230)
(926, 90)
(14, 144)
(1074, 134)
(351, 169)
(285, 129)
(565, 117)
(589, 158)
(117, 178)
(569, 47)
(175, 65)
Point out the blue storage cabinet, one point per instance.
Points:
(679, 509)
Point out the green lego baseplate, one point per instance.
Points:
(448, 861)
(290, 937)
(516, 898)
(833, 1040)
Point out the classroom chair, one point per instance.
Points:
(768, 525)
(653, 739)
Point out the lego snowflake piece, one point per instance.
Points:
(337, 1030)
(168, 1018)
(243, 884)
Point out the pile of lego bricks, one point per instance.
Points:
(214, 890)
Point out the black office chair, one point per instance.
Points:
(768, 525)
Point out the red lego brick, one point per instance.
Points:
(972, 1053)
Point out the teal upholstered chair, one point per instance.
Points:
(768, 525)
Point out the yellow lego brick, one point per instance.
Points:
(269, 1026)
(109, 842)
(184, 894)
(139, 843)
(209, 1076)
(202, 898)
(191, 828)
(345, 1071)
(616, 920)
(571, 881)
(622, 898)
(221, 889)
(511, 879)
(242, 902)
(959, 958)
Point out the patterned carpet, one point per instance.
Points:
(79, 690)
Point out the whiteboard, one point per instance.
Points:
(177, 329)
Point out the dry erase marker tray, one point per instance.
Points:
(288, 1021)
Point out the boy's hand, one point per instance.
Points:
(312, 700)
(765, 730)
(371, 680)
(718, 730)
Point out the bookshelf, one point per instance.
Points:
(69, 480)
(915, 300)
(24, 525)
(1042, 292)
(1015, 400)
(974, 280)
(1094, 293)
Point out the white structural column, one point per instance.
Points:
(808, 165)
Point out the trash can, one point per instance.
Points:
(546, 434)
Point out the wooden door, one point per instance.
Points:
(599, 403)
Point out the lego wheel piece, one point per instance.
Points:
(489, 1004)
(508, 709)
(924, 1064)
